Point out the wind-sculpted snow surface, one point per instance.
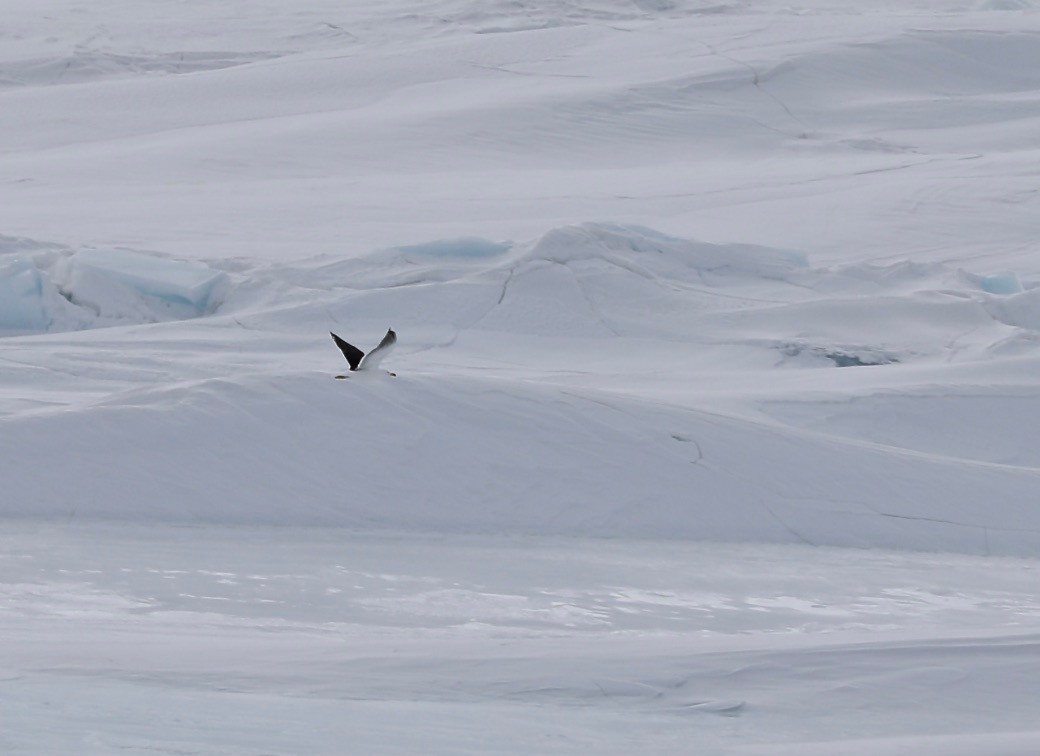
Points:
(574, 384)
(464, 456)
(292, 640)
(712, 425)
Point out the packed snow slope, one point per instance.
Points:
(602, 381)
(813, 314)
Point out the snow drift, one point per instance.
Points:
(574, 384)
(831, 338)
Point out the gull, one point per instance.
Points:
(359, 360)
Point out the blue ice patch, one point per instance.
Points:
(1001, 283)
(21, 297)
(189, 288)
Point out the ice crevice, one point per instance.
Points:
(756, 82)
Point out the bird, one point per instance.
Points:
(358, 360)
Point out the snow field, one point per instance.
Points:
(283, 640)
(714, 424)
(535, 404)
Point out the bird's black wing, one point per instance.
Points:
(351, 352)
(376, 355)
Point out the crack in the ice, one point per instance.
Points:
(504, 69)
(785, 525)
(958, 524)
(756, 81)
(588, 300)
(686, 440)
(505, 286)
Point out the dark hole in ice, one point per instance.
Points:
(841, 359)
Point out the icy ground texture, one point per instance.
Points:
(287, 641)
(49, 291)
(888, 131)
(703, 271)
(601, 380)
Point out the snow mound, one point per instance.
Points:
(434, 261)
(96, 288)
(929, 90)
(645, 251)
(1019, 310)
(603, 280)
(612, 355)
(593, 280)
(448, 454)
(606, 281)
(955, 63)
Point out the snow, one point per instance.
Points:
(714, 422)
(289, 640)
